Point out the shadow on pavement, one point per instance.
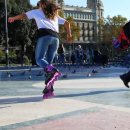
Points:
(91, 93)
(39, 98)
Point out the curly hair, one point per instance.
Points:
(50, 9)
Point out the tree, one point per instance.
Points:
(21, 33)
(111, 28)
(107, 29)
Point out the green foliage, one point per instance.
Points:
(26, 61)
(111, 27)
(12, 53)
(2, 57)
(1, 53)
(21, 33)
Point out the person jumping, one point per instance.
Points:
(47, 20)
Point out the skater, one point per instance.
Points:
(47, 20)
(122, 43)
(125, 78)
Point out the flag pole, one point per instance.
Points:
(6, 35)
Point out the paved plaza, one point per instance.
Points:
(83, 101)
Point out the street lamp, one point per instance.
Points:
(6, 34)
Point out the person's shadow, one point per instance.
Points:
(39, 98)
(91, 93)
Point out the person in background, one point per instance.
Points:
(61, 54)
(47, 20)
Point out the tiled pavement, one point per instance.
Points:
(99, 102)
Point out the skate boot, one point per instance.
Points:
(125, 78)
(47, 76)
(52, 75)
(48, 93)
(46, 90)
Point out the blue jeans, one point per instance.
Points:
(46, 50)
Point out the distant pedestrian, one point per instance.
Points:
(61, 54)
(79, 55)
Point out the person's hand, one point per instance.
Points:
(11, 19)
(69, 38)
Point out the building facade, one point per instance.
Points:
(86, 18)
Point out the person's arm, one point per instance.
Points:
(66, 24)
(68, 30)
(17, 17)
